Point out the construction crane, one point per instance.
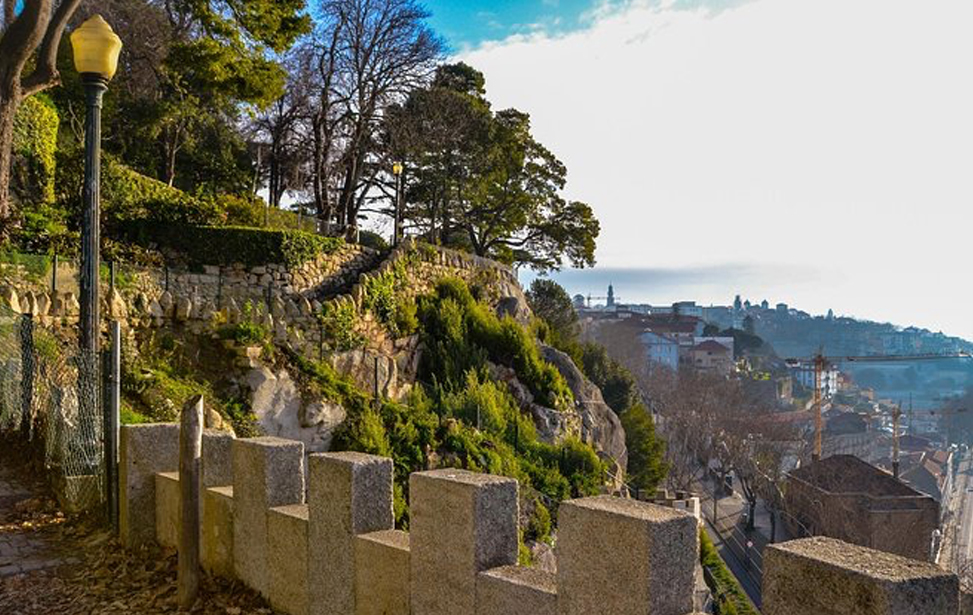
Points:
(821, 362)
(616, 298)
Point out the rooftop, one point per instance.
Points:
(849, 474)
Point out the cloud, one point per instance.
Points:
(829, 134)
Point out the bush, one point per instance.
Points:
(127, 195)
(460, 334)
(210, 245)
(373, 241)
(34, 149)
(338, 320)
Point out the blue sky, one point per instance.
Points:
(467, 23)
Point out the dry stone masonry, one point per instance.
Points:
(338, 553)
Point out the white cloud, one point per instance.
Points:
(835, 134)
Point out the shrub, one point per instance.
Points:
(373, 241)
(338, 320)
(460, 333)
(34, 149)
(127, 195)
(210, 245)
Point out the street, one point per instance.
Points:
(958, 525)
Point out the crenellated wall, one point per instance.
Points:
(320, 540)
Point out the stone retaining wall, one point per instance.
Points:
(331, 549)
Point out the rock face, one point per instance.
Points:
(552, 426)
(281, 411)
(600, 426)
(516, 307)
(394, 367)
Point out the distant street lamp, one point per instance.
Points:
(96, 49)
(397, 227)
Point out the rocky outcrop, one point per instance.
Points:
(392, 369)
(552, 425)
(600, 426)
(282, 411)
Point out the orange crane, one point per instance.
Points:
(821, 362)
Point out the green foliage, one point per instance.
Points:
(372, 240)
(385, 296)
(646, 452)
(539, 524)
(481, 182)
(551, 303)
(729, 598)
(460, 334)
(251, 210)
(34, 267)
(338, 320)
(34, 148)
(617, 384)
(248, 331)
(127, 195)
(213, 245)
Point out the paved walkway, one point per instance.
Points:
(23, 548)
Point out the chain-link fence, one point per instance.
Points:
(46, 403)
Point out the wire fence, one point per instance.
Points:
(45, 404)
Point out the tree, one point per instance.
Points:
(370, 54)
(550, 302)
(646, 452)
(480, 181)
(29, 41)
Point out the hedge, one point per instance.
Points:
(34, 148)
(213, 245)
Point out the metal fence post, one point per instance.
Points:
(27, 368)
(111, 411)
(54, 276)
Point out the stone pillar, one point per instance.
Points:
(167, 510)
(461, 523)
(349, 494)
(513, 590)
(267, 472)
(825, 576)
(217, 458)
(287, 535)
(625, 557)
(216, 548)
(382, 573)
(144, 451)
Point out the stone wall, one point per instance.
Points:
(330, 548)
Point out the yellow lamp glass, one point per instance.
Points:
(96, 48)
(397, 168)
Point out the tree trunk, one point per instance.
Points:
(773, 526)
(9, 101)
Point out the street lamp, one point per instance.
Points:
(96, 49)
(396, 230)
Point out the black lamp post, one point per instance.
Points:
(96, 49)
(397, 227)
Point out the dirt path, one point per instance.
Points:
(50, 564)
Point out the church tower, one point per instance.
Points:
(611, 296)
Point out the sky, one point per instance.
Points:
(816, 153)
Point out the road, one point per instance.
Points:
(959, 519)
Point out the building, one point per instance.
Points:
(611, 297)
(711, 356)
(661, 350)
(846, 498)
(803, 373)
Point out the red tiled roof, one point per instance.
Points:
(711, 346)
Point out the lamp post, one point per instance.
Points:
(397, 230)
(96, 49)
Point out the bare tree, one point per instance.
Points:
(369, 54)
(29, 39)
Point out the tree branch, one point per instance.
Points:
(45, 75)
